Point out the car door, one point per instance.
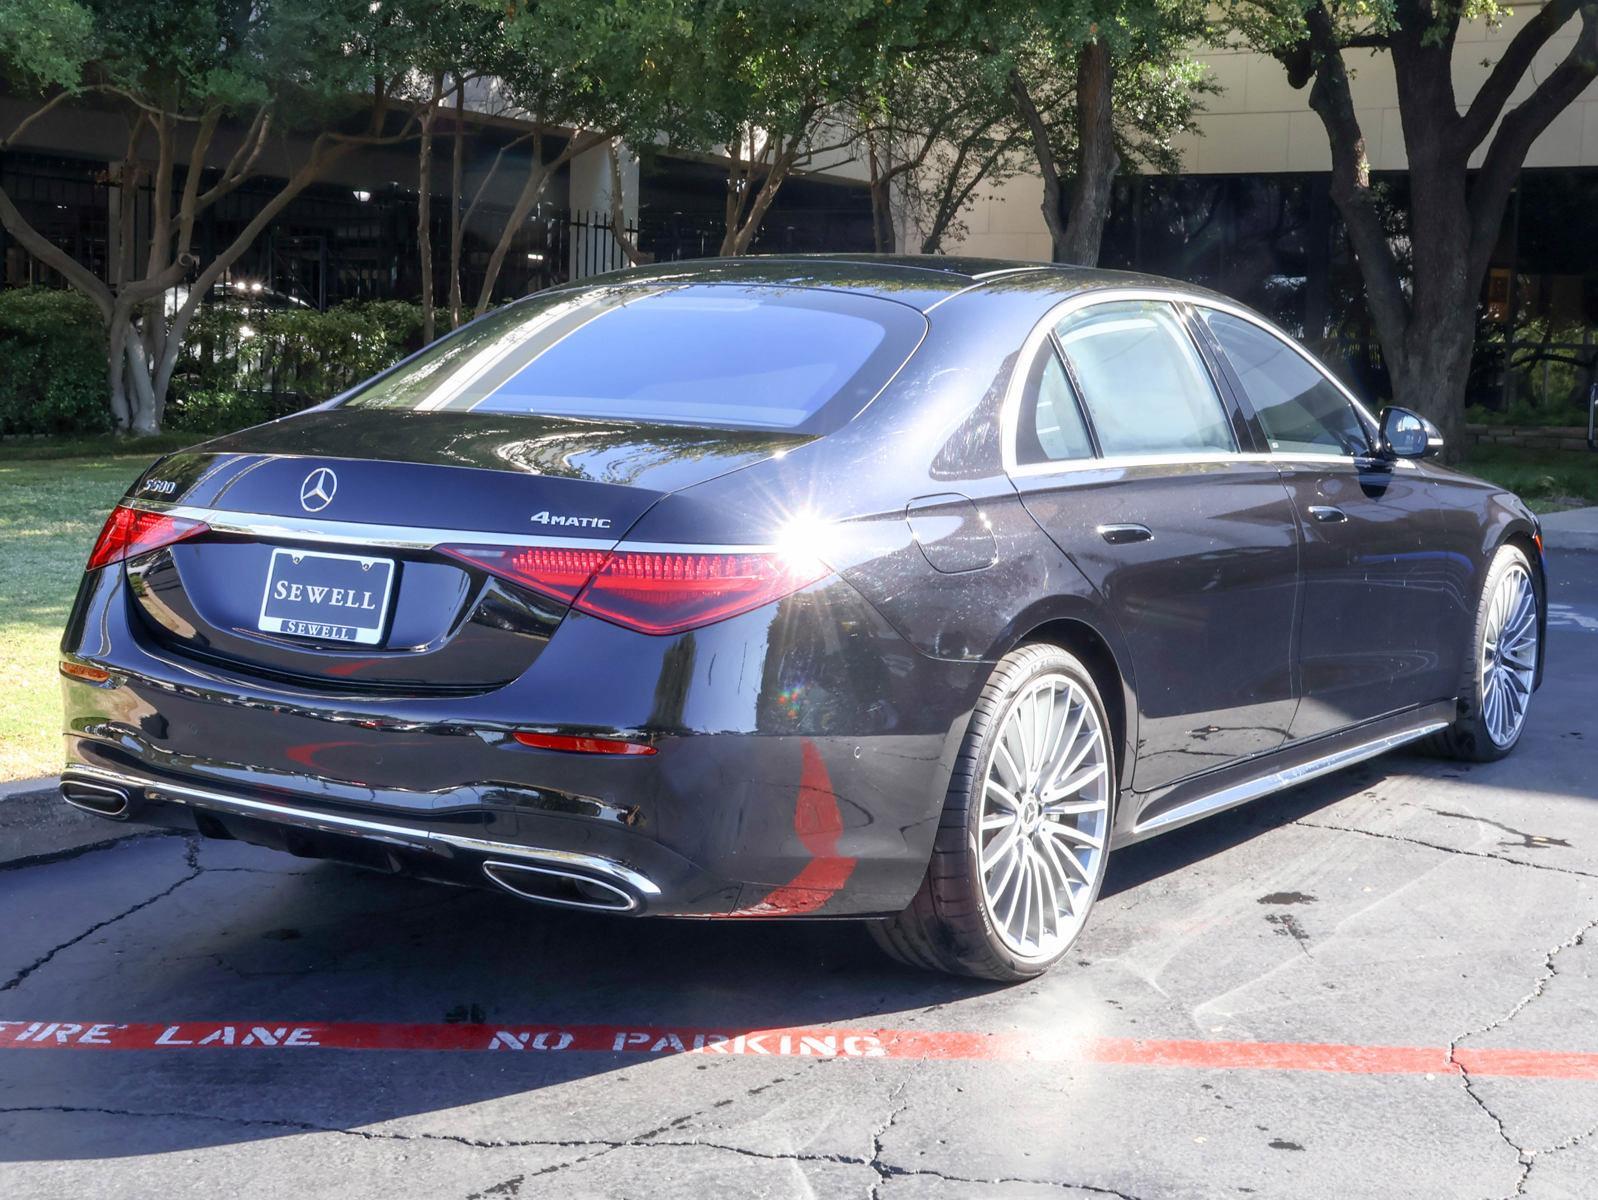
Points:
(1127, 454)
(1371, 637)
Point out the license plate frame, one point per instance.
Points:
(333, 618)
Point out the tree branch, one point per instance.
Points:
(1521, 126)
(36, 114)
(1351, 191)
(52, 256)
(1043, 150)
(1509, 70)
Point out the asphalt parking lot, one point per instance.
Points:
(1383, 983)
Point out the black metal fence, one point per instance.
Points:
(332, 244)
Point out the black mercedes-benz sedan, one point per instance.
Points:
(901, 589)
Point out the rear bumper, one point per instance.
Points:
(568, 878)
(800, 770)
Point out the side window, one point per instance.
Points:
(1303, 411)
(1051, 428)
(1144, 385)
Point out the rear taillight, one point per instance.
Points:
(668, 593)
(131, 531)
(547, 569)
(647, 590)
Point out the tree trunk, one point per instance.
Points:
(537, 179)
(1433, 373)
(1097, 158)
(116, 336)
(884, 237)
(456, 174)
(1043, 150)
(424, 211)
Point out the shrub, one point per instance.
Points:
(240, 367)
(52, 363)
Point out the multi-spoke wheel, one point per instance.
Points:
(1045, 817)
(1501, 670)
(1508, 655)
(1025, 833)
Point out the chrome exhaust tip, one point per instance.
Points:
(568, 889)
(100, 799)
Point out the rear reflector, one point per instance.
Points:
(132, 531)
(650, 591)
(580, 745)
(84, 672)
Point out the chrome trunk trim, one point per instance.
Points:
(358, 533)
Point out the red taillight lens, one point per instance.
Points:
(668, 593)
(650, 591)
(548, 569)
(132, 531)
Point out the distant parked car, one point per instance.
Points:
(901, 589)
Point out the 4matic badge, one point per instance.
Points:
(545, 517)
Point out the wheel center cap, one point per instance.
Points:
(1031, 815)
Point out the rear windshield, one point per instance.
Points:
(721, 355)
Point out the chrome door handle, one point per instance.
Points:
(1121, 535)
(1326, 513)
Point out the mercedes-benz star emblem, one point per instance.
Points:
(316, 493)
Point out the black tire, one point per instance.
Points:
(947, 926)
(1467, 738)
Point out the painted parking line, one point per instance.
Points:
(801, 1042)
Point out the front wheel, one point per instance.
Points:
(1024, 839)
(1501, 666)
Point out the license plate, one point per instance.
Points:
(329, 597)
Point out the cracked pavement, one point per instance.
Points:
(1409, 902)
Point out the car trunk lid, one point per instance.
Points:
(324, 563)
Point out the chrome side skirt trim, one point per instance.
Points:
(361, 827)
(1253, 789)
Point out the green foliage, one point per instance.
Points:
(52, 364)
(590, 66)
(187, 56)
(43, 43)
(240, 368)
(777, 64)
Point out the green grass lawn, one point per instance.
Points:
(50, 512)
(1547, 480)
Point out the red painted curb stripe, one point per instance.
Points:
(806, 1042)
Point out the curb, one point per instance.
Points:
(1573, 529)
(23, 787)
(36, 826)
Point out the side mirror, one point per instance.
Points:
(1407, 434)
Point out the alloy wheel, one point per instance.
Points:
(1508, 656)
(1044, 826)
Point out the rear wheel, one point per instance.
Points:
(1021, 850)
(1501, 666)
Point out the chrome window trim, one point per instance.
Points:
(1281, 335)
(1010, 411)
(291, 814)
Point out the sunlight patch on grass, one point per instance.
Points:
(50, 512)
